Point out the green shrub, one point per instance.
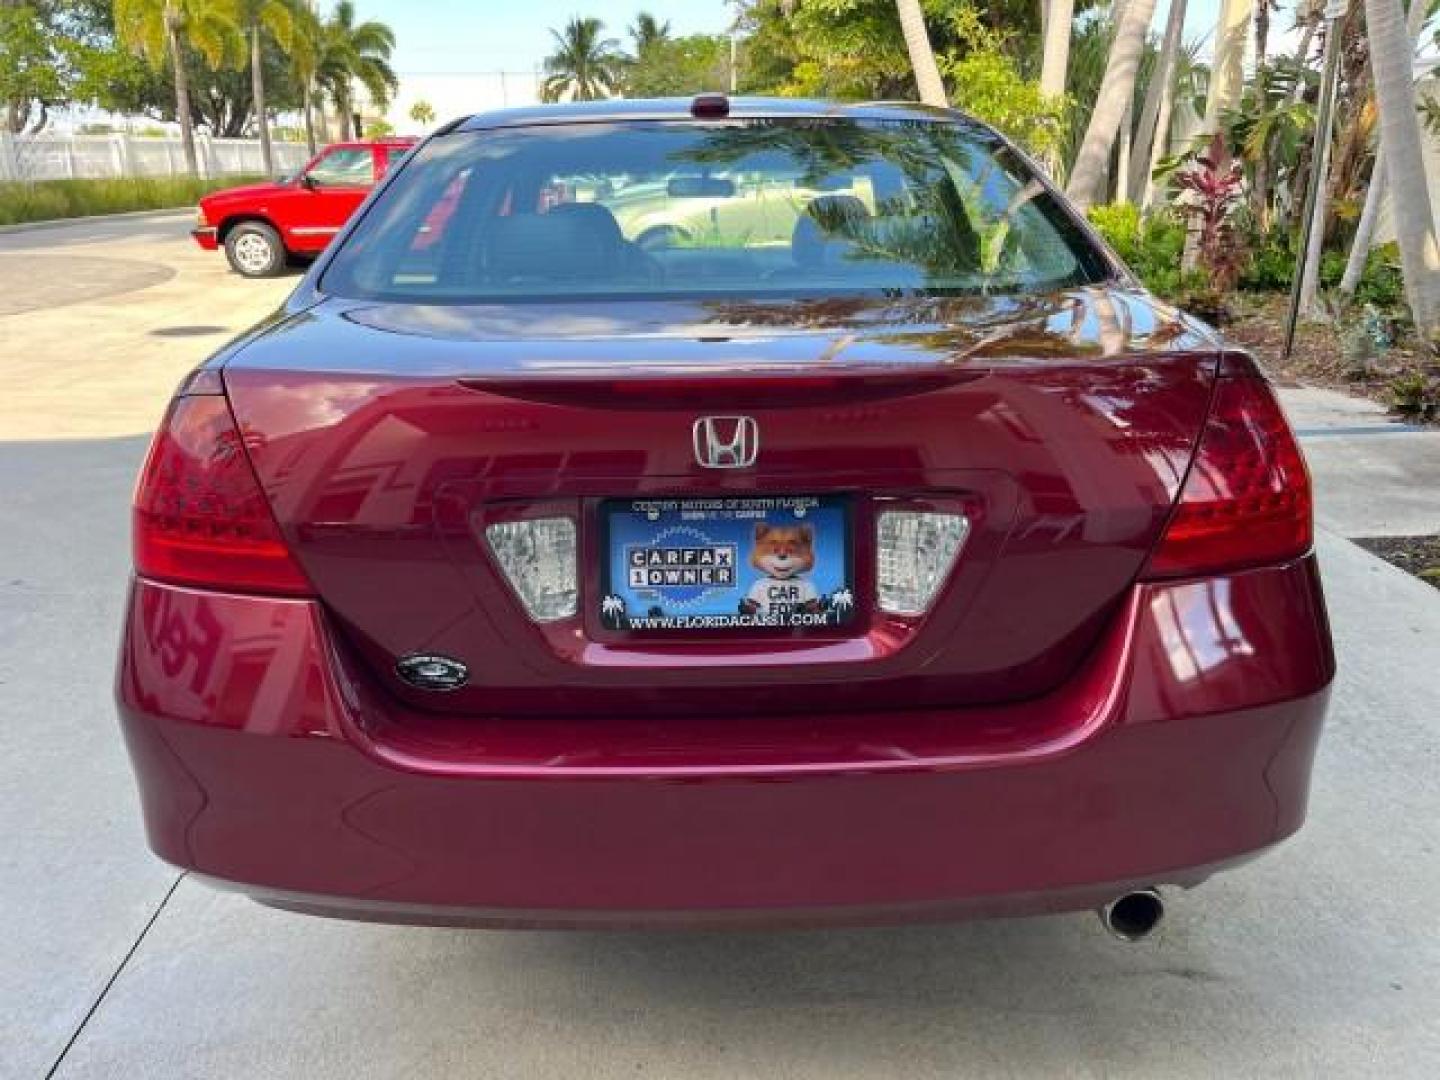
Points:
(1152, 247)
(1272, 265)
(49, 200)
(1272, 269)
(1383, 282)
(1416, 396)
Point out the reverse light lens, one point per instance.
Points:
(538, 558)
(1246, 501)
(200, 517)
(915, 551)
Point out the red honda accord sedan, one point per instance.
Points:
(860, 543)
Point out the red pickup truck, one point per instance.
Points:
(260, 225)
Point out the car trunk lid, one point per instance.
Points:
(388, 438)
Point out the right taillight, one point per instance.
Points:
(200, 517)
(914, 552)
(1246, 500)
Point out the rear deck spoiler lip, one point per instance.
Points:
(789, 386)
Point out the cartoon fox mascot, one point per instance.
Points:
(783, 554)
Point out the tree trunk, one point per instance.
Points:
(1365, 230)
(1054, 67)
(342, 106)
(1370, 216)
(182, 90)
(257, 90)
(309, 105)
(1122, 154)
(922, 56)
(324, 120)
(1153, 133)
(1320, 156)
(1227, 75)
(1307, 35)
(1116, 91)
(1391, 64)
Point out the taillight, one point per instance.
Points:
(200, 517)
(915, 550)
(1246, 500)
(538, 557)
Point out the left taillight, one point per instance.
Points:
(1246, 501)
(200, 516)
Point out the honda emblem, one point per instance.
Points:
(726, 442)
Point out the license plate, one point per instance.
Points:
(781, 563)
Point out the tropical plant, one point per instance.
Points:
(1232, 35)
(990, 85)
(423, 113)
(922, 55)
(1419, 14)
(307, 45)
(1114, 100)
(1212, 191)
(1273, 132)
(1055, 52)
(1392, 64)
(1153, 133)
(356, 52)
(585, 66)
(257, 19)
(684, 65)
(1151, 246)
(162, 29)
(647, 32)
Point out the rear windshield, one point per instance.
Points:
(656, 209)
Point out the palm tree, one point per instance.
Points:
(1365, 231)
(1391, 63)
(585, 66)
(423, 113)
(1117, 91)
(306, 46)
(1154, 133)
(354, 51)
(1227, 78)
(277, 19)
(922, 55)
(647, 32)
(160, 29)
(1055, 62)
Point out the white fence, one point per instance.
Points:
(60, 157)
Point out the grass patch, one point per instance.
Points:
(52, 200)
(1420, 555)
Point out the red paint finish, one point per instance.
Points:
(307, 216)
(269, 759)
(1120, 684)
(390, 466)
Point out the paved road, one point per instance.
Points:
(1320, 959)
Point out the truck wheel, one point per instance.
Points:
(255, 250)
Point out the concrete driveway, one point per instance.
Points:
(1321, 959)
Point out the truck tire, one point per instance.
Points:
(255, 250)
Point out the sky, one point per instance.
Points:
(448, 36)
(463, 57)
(441, 37)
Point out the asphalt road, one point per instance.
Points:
(1320, 959)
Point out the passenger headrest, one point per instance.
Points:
(554, 246)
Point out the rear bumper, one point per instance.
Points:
(208, 237)
(1183, 747)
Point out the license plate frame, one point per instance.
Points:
(680, 538)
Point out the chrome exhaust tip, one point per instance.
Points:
(1135, 915)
